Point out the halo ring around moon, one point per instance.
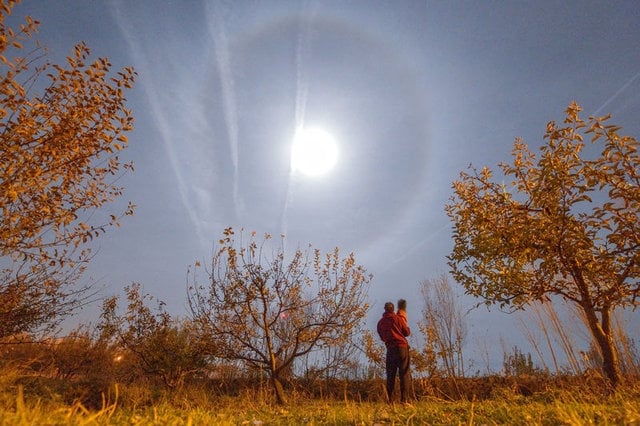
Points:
(384, 148)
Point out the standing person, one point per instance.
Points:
(393, 330)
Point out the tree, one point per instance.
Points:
(374, 352)
(443, 324)
(161, 346)
(567, 226)
(61, 129)
(267, 312)
(518, 364)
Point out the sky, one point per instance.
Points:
(412, 92)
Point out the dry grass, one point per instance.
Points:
(495, 400)
(614, 412)
(506, 407)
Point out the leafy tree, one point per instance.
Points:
(567, 225)
(374, 352)
(61, 128)
(518, 364)
(267, 312)
(76, 368)
(161, 346)
(81, 353)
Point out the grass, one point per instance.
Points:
(559, 402)
(567, 410)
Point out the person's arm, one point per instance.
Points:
(404, 327)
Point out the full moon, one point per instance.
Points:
(314, 152)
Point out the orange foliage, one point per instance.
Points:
(61, 129)
(567, 225)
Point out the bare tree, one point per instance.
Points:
(443, 323)
(266, 312)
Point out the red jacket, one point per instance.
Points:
(393, 330)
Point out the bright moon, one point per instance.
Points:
(314, 152)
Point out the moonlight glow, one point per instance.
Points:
(314, 152)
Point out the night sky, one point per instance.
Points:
(411, 92)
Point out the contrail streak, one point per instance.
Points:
(302, 91)
(615, 95)
(415, 247)
(223, 62)
(157, 113)
(302, 88)
(287, 202)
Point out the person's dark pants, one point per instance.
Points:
(398, 363)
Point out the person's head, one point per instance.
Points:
(388, 307)
(402, 305)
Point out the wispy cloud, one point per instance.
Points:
(224, 65)
(161, 121)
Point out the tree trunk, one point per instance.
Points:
(601, 332)
(279, 390)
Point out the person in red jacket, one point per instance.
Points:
(393, 330)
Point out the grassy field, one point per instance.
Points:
(562, 408)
